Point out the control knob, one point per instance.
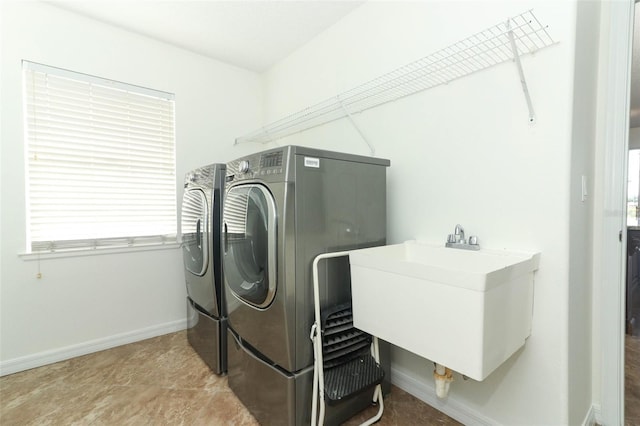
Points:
(243, 167)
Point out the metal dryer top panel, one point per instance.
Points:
(278, 164)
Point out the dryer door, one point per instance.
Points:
(250, 244)
(195, 229)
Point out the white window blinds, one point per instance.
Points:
(100, 161)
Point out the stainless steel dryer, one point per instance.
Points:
(282, 208)
(201, 246)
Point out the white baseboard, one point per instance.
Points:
(426, 393)
(593, 416)
(49, 357)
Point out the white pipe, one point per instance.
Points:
(443, 377)
(316, 368)
(317, 405)
(318, 339)
(377, 394)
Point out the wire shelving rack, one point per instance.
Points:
(506, 41)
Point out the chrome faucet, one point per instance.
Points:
(457, 240)
(459, 234)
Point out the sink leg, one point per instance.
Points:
(443, 377)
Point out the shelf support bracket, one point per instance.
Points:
(372, 150)
(523, 81)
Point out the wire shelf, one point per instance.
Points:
(480, 51)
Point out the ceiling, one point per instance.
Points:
(246, 33)
(249, 34)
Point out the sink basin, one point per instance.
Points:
(467, 310)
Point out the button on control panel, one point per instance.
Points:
(264, 165)
(270, 171)
(271, 159)
(243, 167)
(271, 163)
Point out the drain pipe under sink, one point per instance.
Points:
(443, 377)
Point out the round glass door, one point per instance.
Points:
(194, 228)
(250, 244)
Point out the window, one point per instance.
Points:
(100, 166)
(633, 187)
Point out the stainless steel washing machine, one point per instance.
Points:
(201, 248)
(282, 208)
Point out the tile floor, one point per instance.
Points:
(159, 381)
(632, 381)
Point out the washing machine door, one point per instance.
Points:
(250, 244)
(194, 229)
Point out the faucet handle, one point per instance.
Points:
(473, 240)
(451, 238)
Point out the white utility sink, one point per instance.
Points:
(467, 310)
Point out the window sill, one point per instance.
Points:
(93, 251)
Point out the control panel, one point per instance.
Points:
(258, 166)
(203, 175)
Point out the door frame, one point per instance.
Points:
(609, 214)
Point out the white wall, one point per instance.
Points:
(462, 153)
(86, 303)
(465, 153)
(581, 210)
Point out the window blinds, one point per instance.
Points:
(100, 161)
